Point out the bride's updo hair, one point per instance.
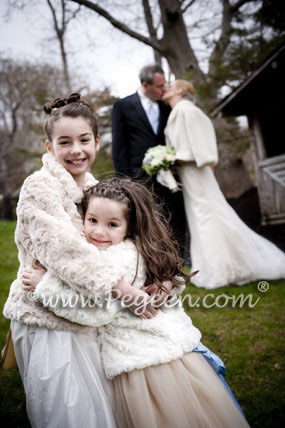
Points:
(187, 89)
(73, 106)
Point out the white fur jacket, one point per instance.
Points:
(127, 342)
(192, 134)
(50, 230)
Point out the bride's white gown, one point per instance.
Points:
(223, 248)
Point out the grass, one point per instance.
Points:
(248, 339)
(12, 396)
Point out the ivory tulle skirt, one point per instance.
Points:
(223, 248)
(63, 378)
(186, 393)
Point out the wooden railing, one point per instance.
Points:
(271, 189)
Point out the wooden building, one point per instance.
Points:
(262, 99)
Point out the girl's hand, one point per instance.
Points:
(136, 300)
(32, 276)
(158, 294)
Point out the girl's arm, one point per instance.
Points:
(65, 302)
(69, 304)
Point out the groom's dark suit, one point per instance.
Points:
(132, 136)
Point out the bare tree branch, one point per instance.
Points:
(151, 29)
(148, 17)
(63, 22)
(60, 32)
(54, 17)
(117, 24)
(187, 6)
(224, 38)
(239, 4)
(73, 15)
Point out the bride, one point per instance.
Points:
(223, 248)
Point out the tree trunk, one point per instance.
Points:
(64, 63)
(151, 29)
(175, 43)
(218, 52)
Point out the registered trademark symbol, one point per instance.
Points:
(263, 286)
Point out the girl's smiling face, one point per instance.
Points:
(105, 222)
(73, 145)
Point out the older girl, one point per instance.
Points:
(58, 360)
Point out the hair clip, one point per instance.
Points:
(53, 109)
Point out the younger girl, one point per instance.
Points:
(59, 361)
(158, 380)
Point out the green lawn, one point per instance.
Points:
(248, 339)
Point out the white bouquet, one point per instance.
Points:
(159, 160)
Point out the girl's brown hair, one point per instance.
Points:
(147, 227)
(73, 106)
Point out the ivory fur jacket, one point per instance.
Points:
(192, 134)
(127, 342)
(50, 230)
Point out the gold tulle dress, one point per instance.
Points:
(185, 393)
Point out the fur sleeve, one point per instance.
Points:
(67, 303)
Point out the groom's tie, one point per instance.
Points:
(153, 116)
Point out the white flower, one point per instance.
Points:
(158, 160)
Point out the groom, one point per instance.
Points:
(138, 123)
